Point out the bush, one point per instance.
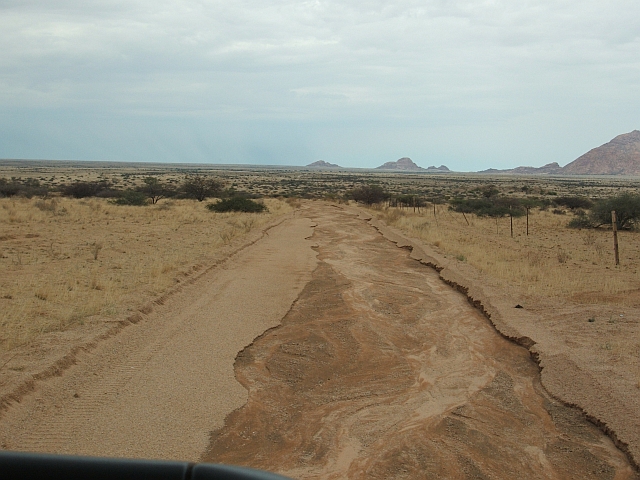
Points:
(28, 187)
(494, 207)
(201, 187)
(626, 205)
(8, 189)
(489, 191)
(109, 193)
(237, 204)
(131, 197)
(580, 221)
(368, 194)
(573, 202)
(408, 201)
(84, 189)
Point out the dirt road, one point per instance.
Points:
(376, 370)
(158, 388)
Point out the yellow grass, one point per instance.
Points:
(63, 261)
(552, 261)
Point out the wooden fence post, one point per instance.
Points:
(614, 223)
(511, 220)
(528, 221)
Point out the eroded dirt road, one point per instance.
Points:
(359, 362)
(380, 370)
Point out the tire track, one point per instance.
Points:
(159, 387)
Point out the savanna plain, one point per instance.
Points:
(376, 368)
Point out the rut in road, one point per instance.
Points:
(380, 370)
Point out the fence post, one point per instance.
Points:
(614, 223)
(511, 220)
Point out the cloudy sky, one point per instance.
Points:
(471, 84)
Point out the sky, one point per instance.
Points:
(471, 84)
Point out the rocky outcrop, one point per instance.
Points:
(620, 156)
(405, 164)
(323, 164)
(440, 169)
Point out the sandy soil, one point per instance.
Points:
(357, 361)
(160, 386)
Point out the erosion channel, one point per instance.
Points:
(380, 370)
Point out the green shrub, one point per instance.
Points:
(573, 202)
(494, 207)
(580, 221)
(131, 197)
(201, 187)
(626, 205)
(237, 204)
(368, 194)
(29, 187)
(84, 189)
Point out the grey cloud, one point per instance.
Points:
(470, 68)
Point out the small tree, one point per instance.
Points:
(626, 206)
(201, 187)
(155, 190)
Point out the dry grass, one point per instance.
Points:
(63, 261)
(552, 261)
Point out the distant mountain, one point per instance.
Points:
(405, 164)
(323, 164)
(621, 156)
(548, 169)
(441, 168)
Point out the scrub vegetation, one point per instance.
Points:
(65, 261)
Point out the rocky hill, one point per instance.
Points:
(405, 164)
(441, 169)
(323, 164)
(548, 169)
(621, 156)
